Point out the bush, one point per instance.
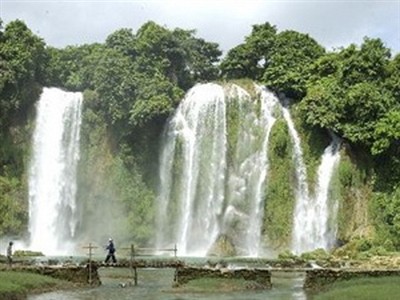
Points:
(318, 254)
(285, 255)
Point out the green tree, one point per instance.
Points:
(368, 63)
(22, 61)
(115, 83)
(324, 104)
(387, 132)
(289, 66)
(73, 67)
(122, 40)
(249, 60)
(393, 79)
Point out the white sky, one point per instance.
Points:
(332, 23)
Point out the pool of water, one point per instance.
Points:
(157, 284)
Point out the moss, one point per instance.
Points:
(280, 199)
(318, 254)
(313, 141)
(245, 83)
(355, 195)
(223, 246)
(233, 124)
(27, 253)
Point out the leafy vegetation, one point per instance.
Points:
(279, 199)
(17, 284)
(362, 288)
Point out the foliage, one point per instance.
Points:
(111, 190)
(13, 208)
(355, 186)
(317, 254)
(313, 142)
(281, 60)
(291, 60)
(353, 93)
(27, 253)
(287, 255)
(248, 60)
(14, 284)
(362, 288)
(22, 59)
(386, 216)
(279, 199)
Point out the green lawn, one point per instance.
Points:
(383, 288)
(14, 285)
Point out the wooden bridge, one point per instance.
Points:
(140, 258)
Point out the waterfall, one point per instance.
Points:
(52, 174)
(214, 173)
(205, 184)
(195, 140)
(322, 212)
(312, 214)
(248, 175)
(302, 225)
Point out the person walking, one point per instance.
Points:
(111, 252)
(9, 253)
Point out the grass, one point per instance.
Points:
(362, 289)
(213, 285)
(15, 285)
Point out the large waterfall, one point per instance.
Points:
(208, 183)
(214, 174)
(52, 176)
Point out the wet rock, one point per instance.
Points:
(222, 247)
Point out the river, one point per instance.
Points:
(157, 284)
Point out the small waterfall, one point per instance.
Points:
(323, 212)
(52, 174)
(302, 224)
(312, 214)
(202, 190)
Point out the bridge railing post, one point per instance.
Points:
(176, 264)
(135, 275)
(90, 254)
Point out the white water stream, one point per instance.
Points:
(52, 174)
(201, 185)
(314, 221)
(312, 213)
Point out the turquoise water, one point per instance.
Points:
(157, 284)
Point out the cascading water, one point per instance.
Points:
(302, 225)
(195, 149)
(312, 228)
(324, 213)
(248, 173)
(52, 176)
(206, 183)
(213, 174)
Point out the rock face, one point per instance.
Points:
(261, 277)
(222, 247)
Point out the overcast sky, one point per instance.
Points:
(332, 23)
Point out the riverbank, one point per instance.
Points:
(361, 289)
(15, 285)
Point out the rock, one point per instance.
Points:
(222, 247)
